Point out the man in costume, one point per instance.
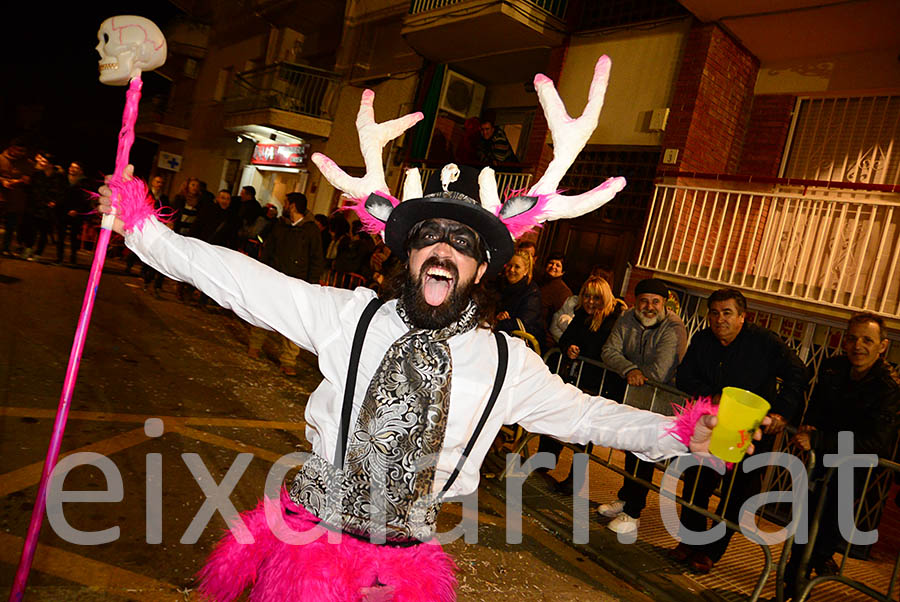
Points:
(390, 436)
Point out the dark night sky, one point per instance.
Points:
(49, 74)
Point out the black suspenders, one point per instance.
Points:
(350, 385)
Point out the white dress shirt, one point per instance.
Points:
(323, 320)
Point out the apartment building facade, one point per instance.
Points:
(758, 147)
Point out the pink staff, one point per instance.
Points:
(127, 46)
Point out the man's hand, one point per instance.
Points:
(636, 378)
(572, 352)
(104, 203)
(703, 433)
(503, 315)
(777, 425)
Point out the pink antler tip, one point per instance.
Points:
(603, 64)
(540, 78)
(322, 160)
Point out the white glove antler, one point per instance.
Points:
(569, 137)
(372, 139)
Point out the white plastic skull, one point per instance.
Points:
(129, 45)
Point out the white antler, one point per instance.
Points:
(487, 190)
(569, 137)
(372, 139)
(412, 185)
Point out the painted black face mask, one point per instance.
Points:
(457, 235)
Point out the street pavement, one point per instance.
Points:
(159, 359)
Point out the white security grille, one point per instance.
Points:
(845, 140)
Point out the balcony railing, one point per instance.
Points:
(557, 8)
(506, 181)
(288, 87)
(157, 111)
(828, 247)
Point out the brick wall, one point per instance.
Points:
(770, 120)
(711, 101)
(537, 151)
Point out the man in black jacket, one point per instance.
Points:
(294, 248)
(70, 212)
(218, 223)
(731, 353)
(857, 392)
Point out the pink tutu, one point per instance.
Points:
(349, 571)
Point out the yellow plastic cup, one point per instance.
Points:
(740, 414)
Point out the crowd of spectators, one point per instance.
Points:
(41, 201)
(645, 345)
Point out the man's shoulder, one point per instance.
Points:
(756, 333)
(673, 319)
(704, 336)
(886, 378)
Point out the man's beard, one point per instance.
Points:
(430, 317)
(649, 322)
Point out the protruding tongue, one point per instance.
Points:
(436, 290)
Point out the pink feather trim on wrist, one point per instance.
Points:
(133, 203)
(686, 417)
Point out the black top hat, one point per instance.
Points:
(459, 202)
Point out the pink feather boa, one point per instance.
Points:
(320, 571)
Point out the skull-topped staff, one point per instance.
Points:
(127, 45)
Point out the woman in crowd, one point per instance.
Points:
(520, 298)
(596, 313)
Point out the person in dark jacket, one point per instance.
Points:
(47, 186)
(294, 248)
(354, 252)
(160, 203)
(250, 208)
(70, 212)
(187, 204)
(554, 291)
(730, 353)
(596, 314)
(857, 392)
(15, 176)
(219, 222)
(520, 298)
(322, 222)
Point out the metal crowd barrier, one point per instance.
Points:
(658, 397)
(878, 480)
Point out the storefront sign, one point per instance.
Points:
(281, 155)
